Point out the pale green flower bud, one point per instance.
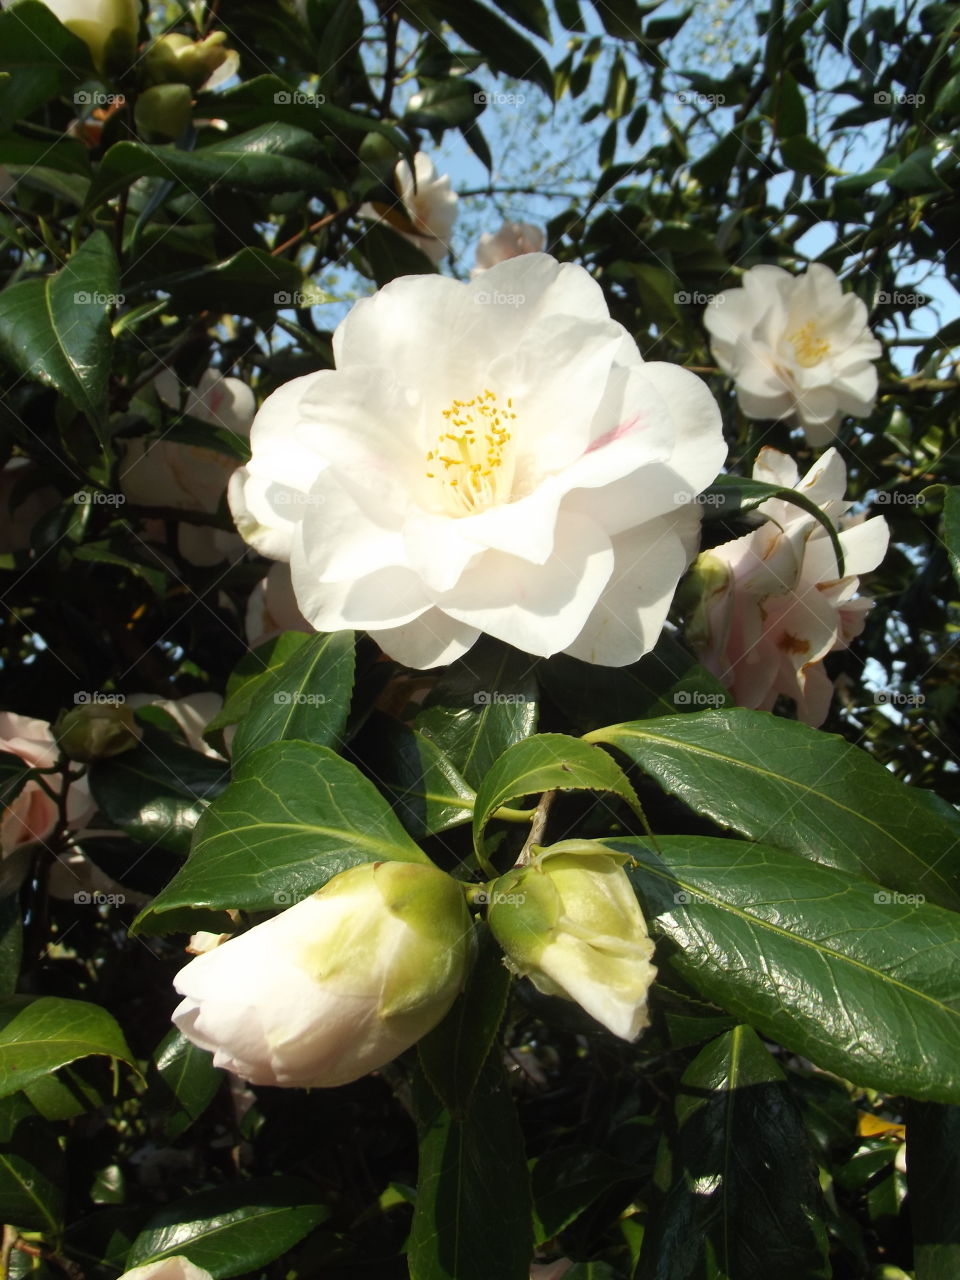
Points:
(572, 924)
(337, 985)
(176, 59)
(96, 731)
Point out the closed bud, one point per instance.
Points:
(199, 64)
(335, 986)
(95, 732)
(164, 110)
(572, 924)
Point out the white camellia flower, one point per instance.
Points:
(796, 345)
(336, 986)
(773, 606)
(187, 477)
(513, 239)
(103, 25)
(272, 607)
(470, 467)
(572, 924)
(428, 202)
(176, 1268)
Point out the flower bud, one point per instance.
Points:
(572, 924)
(201, 64)
(164, 109)
(335, 986)
(95, 731)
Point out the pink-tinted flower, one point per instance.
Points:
(512, 240)
(32, 814)
(774, 604)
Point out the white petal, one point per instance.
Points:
(431, 640)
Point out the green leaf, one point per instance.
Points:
(19, 155)
(427, 792)
(480, 706)
(933, 1181)
(57, 330)
(32, 1172)
(157, 792)
(729, 494)
(567, 1181)
(740, 1184)
(188, 1074)
(11, 943)
(453, 1054)
(532, 14)
(274, 157)
(825, 964)
(387, 254)
(294, 816)
(807, 791)
(308, 698)
(804, 156)
(501, 44)
(445, 105)
(251, 673)
(232, 1230)
(951, 527)
(39, 1035)
(43, 57)
(472, 1176)
(249, 283)
(547, 762)
(791, 113)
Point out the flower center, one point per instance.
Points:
(809, 347)
(472, 464)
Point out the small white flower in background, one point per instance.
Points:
(796, 345)
(272, 607)
(191, 714)
(773, 606)
(204, 941)
(175, 1268)
(336, 986)
(428, 202)
(103, 25)
(32, 814)
(572, 924)
(512, 240)
(517, 470)
(187, 477)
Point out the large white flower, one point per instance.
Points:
(187, 477)
(103, 25)
(796, 345)
(469, 467)
(272, 607)
(336, 986)
(429, 203)
(512, 240)
(774, 605)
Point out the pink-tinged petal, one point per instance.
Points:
(774, 467)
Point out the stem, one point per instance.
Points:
(513, 815)
(325, 221)
(537, 827)
(390, 23)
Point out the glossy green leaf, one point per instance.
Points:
(933, 1181)
(32, 1170)
(480, 706)
(274, 157)
(460, 1198)
(501, 44)
(729, 494)
(188, 1078)
(295, 815)
(246, 284)
(157, 792)
(453, 1054)
(41, 56)
(445, 105)
(739, 1187)
(39, 1035)
(232, 1230)
(547, 762)
(57, 330)
(807, 791)
(427, 792)
(824, 963)
(308, 698)
(567, 1181)
(253, 671)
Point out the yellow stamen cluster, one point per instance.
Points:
(471, 451)
(810, 348)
